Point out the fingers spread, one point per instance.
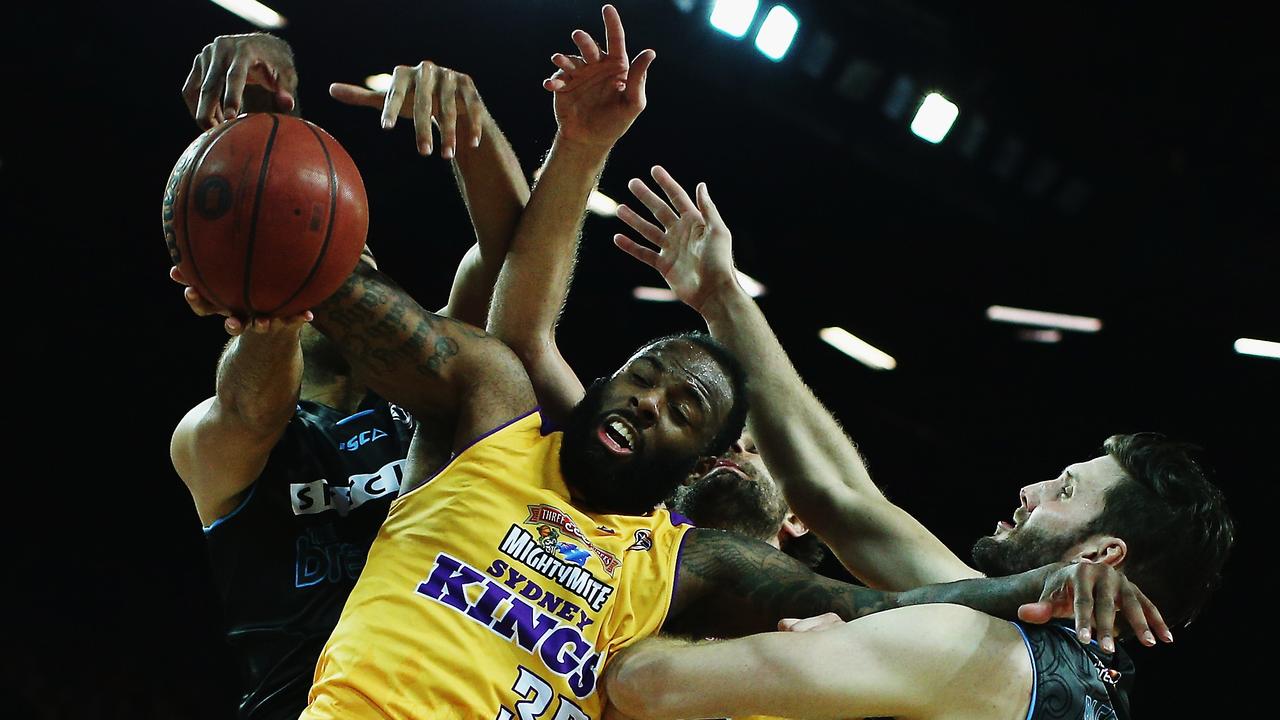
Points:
(637, 251)
(586, 45)
(615, 42)
(423, 100)
(564, 62)
(660, 209)
(448, 114)
(215, 69)
(647, 230)
(637, 76)
(401, 79)
(676, 194)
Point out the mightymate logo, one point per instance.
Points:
(553, 516)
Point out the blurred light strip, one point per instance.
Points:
(654, 294)
(1259, 348)
(857, 348)
(253, 11)
(379, 83)
(657, 294)
(1019, 316)
(601, 204)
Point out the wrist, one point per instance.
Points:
(725, 300)
(581, 148)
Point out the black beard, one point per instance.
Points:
(632, 489)
(1025, 549)
(723, 500)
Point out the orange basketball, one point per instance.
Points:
(265, 214)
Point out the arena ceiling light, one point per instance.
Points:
(777, 32)
(857, 348)
(1258, 348)
(646, 293)
(379, 83)
(733, 17)
(1039, 318)
(934, 118)
(255, 12)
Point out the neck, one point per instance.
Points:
(339, 392)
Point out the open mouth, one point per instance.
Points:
(618, 436)
(1019, 516)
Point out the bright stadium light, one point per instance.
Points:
(777, 32)
(733, 17)
(857, 348)
(751, 285)
(654, 294)
(934, 118)
(1019, 316)
(1259, 348)
(602, 204)
(253, 11)
(378, 83)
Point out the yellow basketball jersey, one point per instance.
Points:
(487, 595)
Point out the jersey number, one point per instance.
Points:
(537, 694)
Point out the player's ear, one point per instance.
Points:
(1107, 549)
(793, 527)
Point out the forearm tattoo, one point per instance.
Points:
(383, 331)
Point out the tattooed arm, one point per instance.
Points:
(439, 369)
(729, 585)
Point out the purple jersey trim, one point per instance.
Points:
(677, 519)
(1035, 673)
(474, 441)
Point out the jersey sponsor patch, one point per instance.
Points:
(544, 556)
(555, 519)
(561, 647)
(319, 496)
(355, 442)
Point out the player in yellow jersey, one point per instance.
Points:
(501, 584)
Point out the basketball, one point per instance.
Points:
(265, 215)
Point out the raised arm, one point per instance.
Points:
(597, 96)
(919, 662)
(221, 445)
(436, 367)
(817, 466)
(488, 173)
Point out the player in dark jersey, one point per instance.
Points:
(293, 463)
(1144, 508)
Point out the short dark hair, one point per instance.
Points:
(737, 419)
(1173, 520)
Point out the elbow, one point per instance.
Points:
(639, 689)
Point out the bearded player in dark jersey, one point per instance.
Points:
(293, 463)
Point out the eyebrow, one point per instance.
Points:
(692, 382)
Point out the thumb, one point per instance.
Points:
(707, 206)
(637, 75)
(355, 95)
(1036, 613)
(284, 101)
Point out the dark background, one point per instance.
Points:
(1143, 195)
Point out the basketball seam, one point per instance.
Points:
(328, 233)
(186, 209)
(257, 205)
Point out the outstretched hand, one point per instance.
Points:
(425, 92)
(599, 93)
(695, 249)
(234, 325)
(214, 90)
(1092, 594)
